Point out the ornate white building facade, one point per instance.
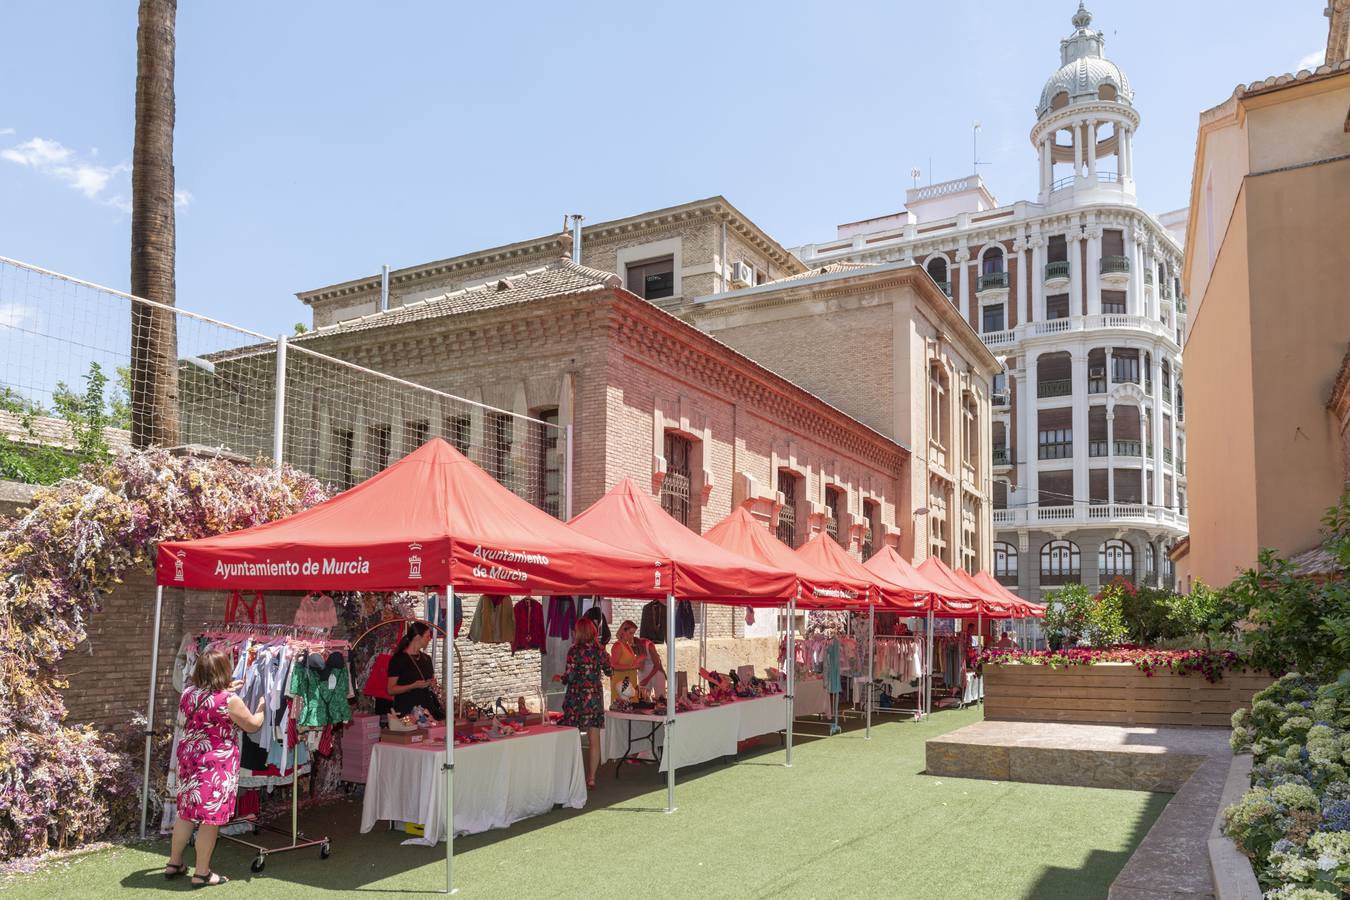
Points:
(1079, 292)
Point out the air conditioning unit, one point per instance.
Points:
(742, 274)
(1097, 372)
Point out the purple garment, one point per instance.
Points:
(562, 617)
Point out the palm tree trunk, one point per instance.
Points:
(154, 339)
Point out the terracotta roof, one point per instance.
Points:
(1318, 560)
(1274, 82)
(560, 277)
(828, 269)
(1342, 385)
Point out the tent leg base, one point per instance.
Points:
(671, 810)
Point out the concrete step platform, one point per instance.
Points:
(1105, 756)
(1173, 860)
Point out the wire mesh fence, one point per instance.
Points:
(86, 365)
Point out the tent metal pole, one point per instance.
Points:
(928, 666)
(150, 709)
(448, 667)
(279, 410)
(670, 702)
(871, 650)
(979, 648)
(791, 662)
(703, 635)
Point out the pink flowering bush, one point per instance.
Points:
(1209, 663)
(62, 785)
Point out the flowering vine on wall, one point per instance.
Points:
(61, 785)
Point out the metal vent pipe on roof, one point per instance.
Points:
(576, 237)
(384, 287)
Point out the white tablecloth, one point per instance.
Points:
(809, 698)
(496, 783)
(701, 735)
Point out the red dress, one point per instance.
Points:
(208, 758)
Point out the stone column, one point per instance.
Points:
(1110, 452)
(1132, 285)
(959, 292)
(1077, 152)
(1137, 305)
(1094, 269)
(1036, 302)
(1023, 283)
(1078, 366)
(1110, 375)
(1091, 129)
(1074, 238)
(1028, 441)
(1156, 424)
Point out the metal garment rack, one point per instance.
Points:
(318, 635)
(897, 710)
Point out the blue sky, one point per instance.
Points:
(316, 141)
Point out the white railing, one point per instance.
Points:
(1052, 326)
(998, 338)
(1090, 515)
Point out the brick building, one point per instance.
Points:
(649, 397)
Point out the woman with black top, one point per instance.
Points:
(412, 674)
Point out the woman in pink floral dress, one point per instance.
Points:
(208, 762)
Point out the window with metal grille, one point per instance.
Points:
(787, 516)
(1115, 557)
(415, 434)
(675, 486)
(872, 513)
(1150, 561)
(498, 428)
(457, 430)
(377, 448)
(548, 468)
(1061, 563)
(834, 499)
(343, 441)
(653, 280)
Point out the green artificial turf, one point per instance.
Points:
(851, 818)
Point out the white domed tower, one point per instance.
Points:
(1085, 124)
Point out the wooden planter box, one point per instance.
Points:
(1114, 694)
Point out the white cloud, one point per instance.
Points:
(14, 315)
(4, 131)
(106, 184)
(1311, 61)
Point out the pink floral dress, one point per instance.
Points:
(208, 758)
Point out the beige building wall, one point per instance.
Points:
(863, 339)
(1265, 263)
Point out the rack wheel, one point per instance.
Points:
(325, 849)
(259, 862)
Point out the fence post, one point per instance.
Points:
(279, 415)
(567, 477)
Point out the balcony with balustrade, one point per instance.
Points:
(991, 281)
(1092, 515)
(1122, 324)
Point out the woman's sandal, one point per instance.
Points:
(210, 879)
(173, 870)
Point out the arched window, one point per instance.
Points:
(1106, 92)
(1115, 558)
(992, 261)
(1061, 563)
(1005, 560)
(1150, 562)
(1060, 100)
(939, 417)
(937, 270)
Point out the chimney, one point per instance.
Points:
(576, 237)
(384, 287)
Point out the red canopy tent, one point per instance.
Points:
(431, 520)
(742, 534)
(993, 605)
(824, 552)
(703, 570)
(887, 563)
(956, 601)
(1025, 608)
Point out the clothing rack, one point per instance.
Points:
(917, 710)
(308, 634)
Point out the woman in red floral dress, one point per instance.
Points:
(584, 703)
(208, 762)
